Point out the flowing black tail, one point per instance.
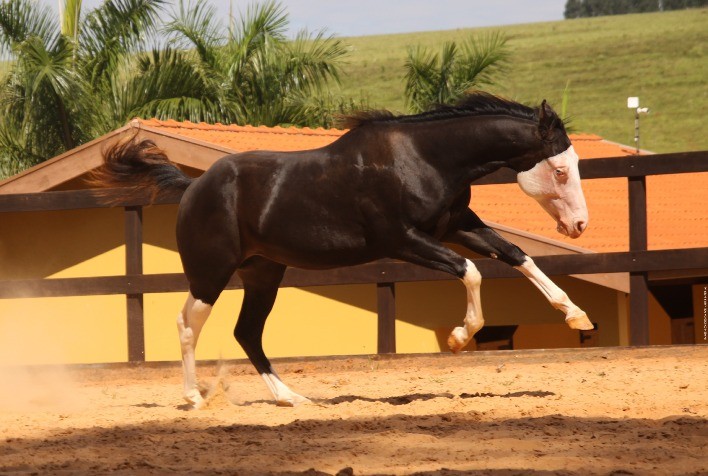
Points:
(139, 166)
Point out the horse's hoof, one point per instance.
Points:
(457, 339)
(195, 399)
(199, 405)
(292, 401)
(579, 322)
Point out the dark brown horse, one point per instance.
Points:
(392, 187)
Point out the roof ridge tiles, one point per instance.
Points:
(293, 130)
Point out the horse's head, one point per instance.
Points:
(554, 181)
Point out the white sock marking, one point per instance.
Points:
(189, 325)
(555, 295)
(460, 336)
(283, 395)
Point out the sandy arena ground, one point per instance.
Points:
(596, 411)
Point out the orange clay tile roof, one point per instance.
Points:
(677, 210)
(243, 138)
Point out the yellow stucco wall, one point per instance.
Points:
(68, 329)
(69, 243)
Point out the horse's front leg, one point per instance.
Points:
(474, 321)
(575, 317)
(478, 237)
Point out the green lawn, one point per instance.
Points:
(660, 57)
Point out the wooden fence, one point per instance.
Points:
(638, 261)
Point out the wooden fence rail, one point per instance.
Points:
(638, 261)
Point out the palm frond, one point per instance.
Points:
(422, 78)
(442, 79)
(113, 30)
(70, 14)
(196, 26)
(447, 86)
(259, 29)
(170, 85)
(261, 23)
(51, 86)
(485, 58)
(17, 150)
(22, 19)
(314, 60)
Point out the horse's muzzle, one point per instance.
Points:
(573, 231)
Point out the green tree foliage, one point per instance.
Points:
(594, 8)
(53, 96)
(442, 78)
(76, 77)
(246, 74)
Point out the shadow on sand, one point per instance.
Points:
(195, 445)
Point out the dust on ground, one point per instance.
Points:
(590, 411)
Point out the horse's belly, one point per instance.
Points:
(316, 246)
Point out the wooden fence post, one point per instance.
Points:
(638, 281)
(134, 266)
(386, 306)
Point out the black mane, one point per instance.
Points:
(473, 104)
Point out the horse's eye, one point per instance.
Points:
(559, 172)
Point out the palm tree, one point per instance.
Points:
(248, 73)
(52, 97)
(74, 78)
(433, 79)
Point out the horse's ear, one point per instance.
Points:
(546, 116)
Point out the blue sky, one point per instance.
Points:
(369, 17)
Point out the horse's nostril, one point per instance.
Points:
(580, 225)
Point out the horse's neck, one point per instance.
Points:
(472, 147)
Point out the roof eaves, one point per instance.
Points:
(541, 246)
(568, 248)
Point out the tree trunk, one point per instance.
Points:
(65, 128)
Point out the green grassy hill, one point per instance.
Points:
(660, 57)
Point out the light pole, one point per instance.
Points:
(633, 103)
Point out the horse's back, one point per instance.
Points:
(298, 208)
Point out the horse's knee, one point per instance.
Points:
(472, 277)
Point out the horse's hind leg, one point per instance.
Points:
(208, 268)
(189, 324)
(261, 279)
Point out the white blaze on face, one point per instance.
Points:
(555, 184)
